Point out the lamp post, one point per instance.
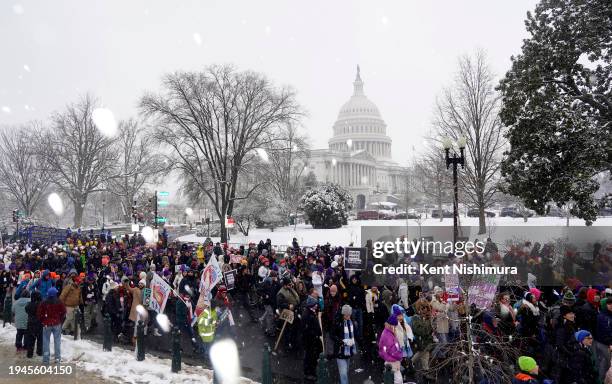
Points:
(103, 204)
(454, 160)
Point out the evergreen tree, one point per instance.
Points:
(327, 206)
(557, 106)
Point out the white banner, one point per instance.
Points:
(160, 290)
(211, 276)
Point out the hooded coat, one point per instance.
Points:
(388, 347)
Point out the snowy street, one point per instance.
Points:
(97, 367)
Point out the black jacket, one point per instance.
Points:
(356, 296)
(311, 331)
(34, 324)
(582, 369)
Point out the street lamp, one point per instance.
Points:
(454, 160)
(103, 204)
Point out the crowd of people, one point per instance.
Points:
(561, 331)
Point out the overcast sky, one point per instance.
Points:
(53, 51)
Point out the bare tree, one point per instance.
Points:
(213, 121)
(139, 163)
(288, 159)
(470, 109)
(432, 178)
(81, 159)
(24, 176)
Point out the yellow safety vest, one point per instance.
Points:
(207, 321)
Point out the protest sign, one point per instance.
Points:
(211, 275)
(230, 279)
(482, 290)
(160, 290)
(451, 282)
(355, 258)
(146, 297)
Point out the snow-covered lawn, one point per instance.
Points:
(351, 233)
(120, 365)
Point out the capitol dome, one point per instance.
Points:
(359, 126)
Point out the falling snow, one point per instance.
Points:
(197, 38)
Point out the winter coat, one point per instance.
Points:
(311, 331)
(356, 296)
(388, 347)
(71, 295)
(34, 324)
(331, 309)
(529, 317)
(582, 368)
(422, 330)
(43, 284)
(603, 332)
(565, 341)
(337, 335)
(440, 311)
(287, 296)
(524, 378)
(372, 301)
(90, 294)
(112, 303)
(136, 301)
(586, 316)
(21, 317)
(51, 312)
(268, 291)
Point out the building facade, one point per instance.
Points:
(359, 154)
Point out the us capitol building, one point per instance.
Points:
(359, 154)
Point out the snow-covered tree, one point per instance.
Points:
(214, 122)
(24, 175)
(470, 109)
(327, 206)
(432, 179)
(82, 160)
(139, 162)
(288, 160)
(557, 105)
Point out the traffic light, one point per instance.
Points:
(15, 215)
(134, 211)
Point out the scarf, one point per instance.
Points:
(348, 334)
(535, 310)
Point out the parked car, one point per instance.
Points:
(554, 211)
(515, 212)
(445, 213)
(404, 215)
(605, 212)
(367, 215)
(473, 212)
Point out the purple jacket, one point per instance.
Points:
(388, 347)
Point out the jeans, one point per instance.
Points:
(343, 365)
(56, 330)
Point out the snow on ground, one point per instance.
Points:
(351, 233)
(120, 365)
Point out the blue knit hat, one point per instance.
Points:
(581, 335)
(397, 310)
(392, 320)
(52, 292)
(311, 302)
